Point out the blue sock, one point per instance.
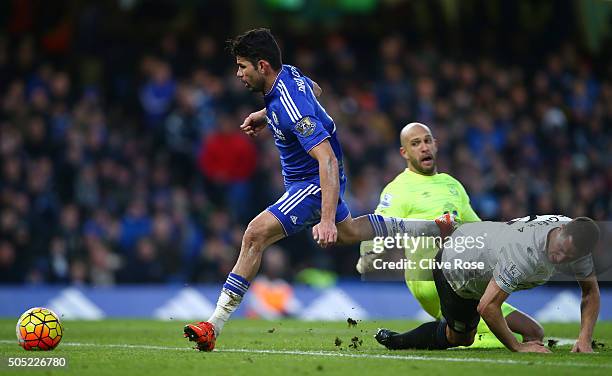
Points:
(378, 224)
(236, 284)
(391, 226)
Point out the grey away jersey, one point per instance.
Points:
(513, 253)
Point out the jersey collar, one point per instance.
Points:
(409, 171)
(275, 82)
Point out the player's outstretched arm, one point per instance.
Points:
(489, 309)
(589, 310)
(325, 233)
(254, 123)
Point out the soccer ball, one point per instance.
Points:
(39, 329)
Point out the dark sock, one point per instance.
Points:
(429, 336)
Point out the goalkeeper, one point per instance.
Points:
(420, 192)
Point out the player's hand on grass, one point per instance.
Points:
(533, 347)
(582, 347)
(325, 234)
(254, 123)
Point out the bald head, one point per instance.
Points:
(419, 148)
(410, 129)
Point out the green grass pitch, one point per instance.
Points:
(287, 347)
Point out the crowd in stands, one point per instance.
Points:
(112, 172)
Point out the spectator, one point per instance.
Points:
(228, 160)
(157, 93)
(145, 265)
(10, 271)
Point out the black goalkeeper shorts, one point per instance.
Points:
(461, 314)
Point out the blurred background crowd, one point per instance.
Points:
(121, 160)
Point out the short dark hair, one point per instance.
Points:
(255, 45)
(585, 234)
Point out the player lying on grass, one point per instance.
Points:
(515, 256)
(311, 161)
(421, 192)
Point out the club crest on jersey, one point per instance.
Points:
(305, 127)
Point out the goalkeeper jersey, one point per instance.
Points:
(412, 195)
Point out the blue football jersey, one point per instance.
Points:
(299, 123)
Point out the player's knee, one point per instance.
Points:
(254, 235)
(460, 339)
(467, 340)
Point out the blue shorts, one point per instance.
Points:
(300, 206)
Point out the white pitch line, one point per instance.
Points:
(562, 341)
(416, 357)
(341, 355)
(114, 345)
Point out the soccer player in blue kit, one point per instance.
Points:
(311, 161)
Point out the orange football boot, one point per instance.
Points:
(203, 333)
